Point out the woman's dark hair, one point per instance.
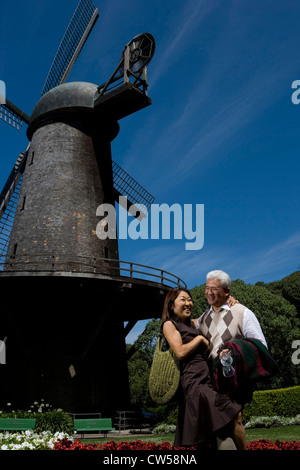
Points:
(168, 313)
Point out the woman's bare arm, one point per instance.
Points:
(175, 342)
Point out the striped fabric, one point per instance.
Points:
(252, 363)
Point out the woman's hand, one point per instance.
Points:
(232, 301)
(205, 341)
(224, 351)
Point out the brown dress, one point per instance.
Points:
(203, 412)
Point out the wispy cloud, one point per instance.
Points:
(172, 49)
(179, 33)
(223, 100)
(196, 139)
(280, 257)
(263, 264)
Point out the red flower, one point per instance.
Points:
(265, 444)
(260, 444)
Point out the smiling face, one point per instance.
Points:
(216, 294)
(182, 306)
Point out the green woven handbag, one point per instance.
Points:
(164, 374)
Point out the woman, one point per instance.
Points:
(203, 413)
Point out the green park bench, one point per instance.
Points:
(17, 424)
(100, 424)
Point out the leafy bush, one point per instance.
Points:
(47, 419)
(54, 421)
(271, 421)
(172, 416)
(165, 414)
(280, 402)
(164, 429)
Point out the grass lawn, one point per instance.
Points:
(283, 433)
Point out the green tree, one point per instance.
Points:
(138, 370)
(289, 288)
(147, 340)
(140, 362)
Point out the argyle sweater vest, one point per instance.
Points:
(220, 327)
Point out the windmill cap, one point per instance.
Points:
(68, 97)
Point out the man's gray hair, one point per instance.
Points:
(223, 277)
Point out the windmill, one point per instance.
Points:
(67, 293)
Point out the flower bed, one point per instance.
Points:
(265, 444)
(261, 444)
(30, 440)
(66, 444)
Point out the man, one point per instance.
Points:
(221, 323)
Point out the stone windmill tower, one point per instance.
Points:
(65, 292)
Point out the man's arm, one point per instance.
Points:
(252, 328)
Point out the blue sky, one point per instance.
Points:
(222, 129)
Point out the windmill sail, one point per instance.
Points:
(80, 26)
(12, 182)
(8, 203)
(125, 185)
(12, 115)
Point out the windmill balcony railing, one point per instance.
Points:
(114, 268)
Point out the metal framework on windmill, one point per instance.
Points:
(125, 185)
(80, 26)
(131, 69)
(8, 204)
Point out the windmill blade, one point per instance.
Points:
(6, 222)
(8, 204)
(80, 26)
(12, 181)
(125, 185)
(13, 115)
